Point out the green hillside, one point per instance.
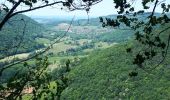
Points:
(104, 75)
(19, 30)
(100, 64)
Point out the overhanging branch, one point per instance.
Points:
(7, 16)
(38, 54)
(35, 8)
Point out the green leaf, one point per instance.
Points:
(34, 1)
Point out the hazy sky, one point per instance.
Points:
(106, 7)
(103, 8)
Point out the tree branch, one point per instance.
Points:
(153, 11)
(35, 8)
(164, 56)
(40, 53)
(7, 17)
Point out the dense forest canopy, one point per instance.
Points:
(133, 65)
(18, 36)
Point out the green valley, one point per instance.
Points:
(124, 56)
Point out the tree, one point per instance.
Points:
(153, 44)
(70, 4)
(126, 15)
(39, 80)
(11, 11)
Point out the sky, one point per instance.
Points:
(106, 7)
(101, 9)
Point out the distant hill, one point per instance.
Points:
(19, 30)
(84, 21)
(96, 21)
(54, 20)
(92, 29)
(91, 21)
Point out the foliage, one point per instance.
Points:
(116, 36)
(26, 76)
(105, 75)
(18, 36)
(144, 29)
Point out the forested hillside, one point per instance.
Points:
(110, 74)
(18, 35)
(100, 68)
(105, 75)
(109, 50)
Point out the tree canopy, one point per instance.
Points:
(150, 41)
(144, 28)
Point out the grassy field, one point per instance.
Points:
(18, 56)
(61, 47)
(43, 40)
